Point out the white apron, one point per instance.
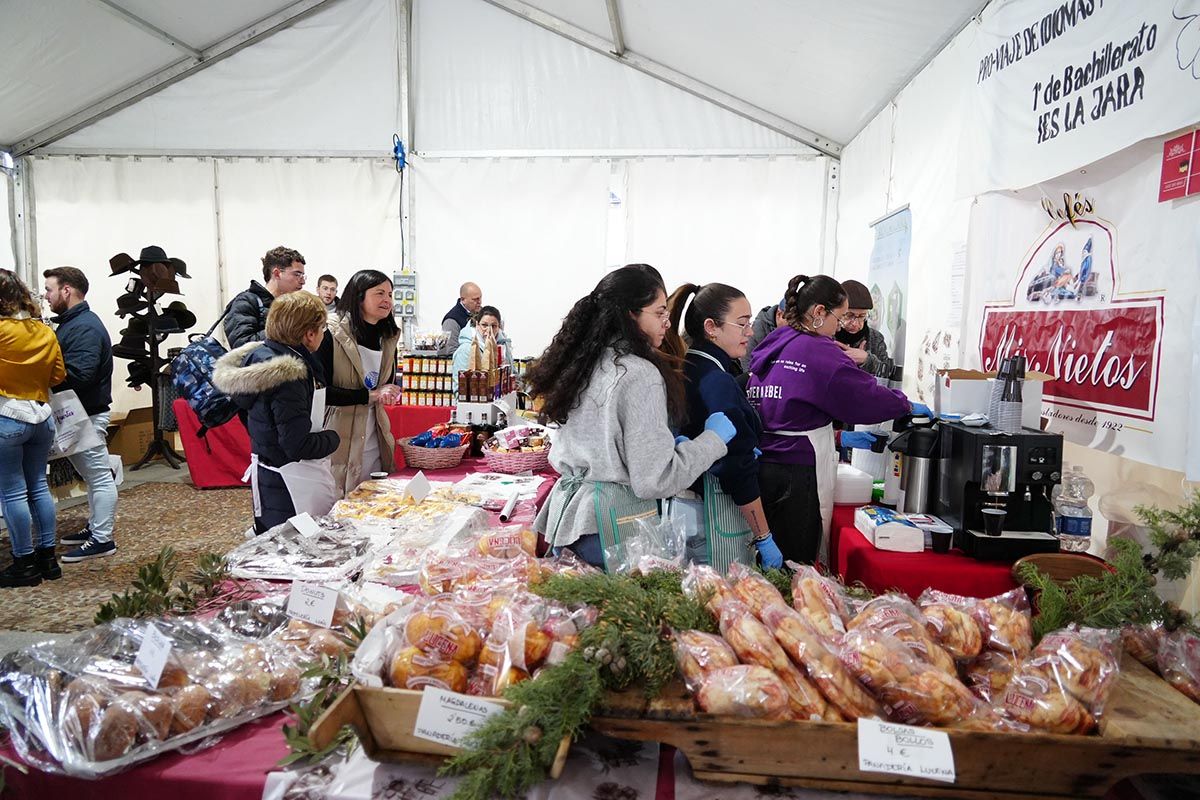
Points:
(309, 482)
(371, 459)
(824, 447)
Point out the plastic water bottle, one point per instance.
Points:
(1072, 516)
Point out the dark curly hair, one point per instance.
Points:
(805, 293)
(15, 296)
(605, 318)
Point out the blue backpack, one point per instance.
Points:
(192, 372)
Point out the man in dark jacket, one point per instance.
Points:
(280, 385)
(470, 300)
(283, 273)
(87, 351)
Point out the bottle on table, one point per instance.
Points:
(1072, 516)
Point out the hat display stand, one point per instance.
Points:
(148, 327)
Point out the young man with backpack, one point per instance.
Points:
(283, 273)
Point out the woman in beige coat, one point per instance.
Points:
(358, 356)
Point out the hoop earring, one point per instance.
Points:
(817, 325)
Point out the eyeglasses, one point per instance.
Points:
(746, 327)
(855, 318)
(663, 315)
(296, 274)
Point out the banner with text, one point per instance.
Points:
(1095, 287)
(887, 279)
(1059, 84)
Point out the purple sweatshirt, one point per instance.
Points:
(802, 381)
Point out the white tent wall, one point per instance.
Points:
(341, 214)
(530, 232)
(327, 84)
(486, 80)
(751, 222)
(91, 208)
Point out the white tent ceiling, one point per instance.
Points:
(822, 66)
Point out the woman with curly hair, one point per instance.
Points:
(613, 396)
(800, 381)
(31, 361)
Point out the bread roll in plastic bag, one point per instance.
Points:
(801, 641)
(956, 631)
(699, 653)
(1007, 622)
(913, 691)
(897, 616)
(754, 644)
(744, 691)
(753, 589)
(989, 673)
(1063, 685)
(821, 599)
(700, 580)
(1143, 642)
(1179, 662)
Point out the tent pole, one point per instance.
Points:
(158, 33)
(404, 65)
(24, 226)
(829, 218)
(614, 21)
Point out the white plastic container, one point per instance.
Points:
(853, 486)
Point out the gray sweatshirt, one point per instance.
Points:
(618, 432)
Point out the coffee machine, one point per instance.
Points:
(983, 468)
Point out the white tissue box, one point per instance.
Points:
(899, 538)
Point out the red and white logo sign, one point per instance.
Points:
(1069, 321)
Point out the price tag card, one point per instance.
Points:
(152, 655)
(305, 524)
(447, 717)
(418, 488)
(312, 603)
(904, 750)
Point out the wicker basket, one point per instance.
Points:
(512, 463)
(433, 457)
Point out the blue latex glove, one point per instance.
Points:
(719, 424)
(681, 439)
(921, 410)
(860, 440)
(757, 453)
(768, 552)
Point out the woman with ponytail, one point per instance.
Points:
(614, 395)
(800, 382)
(722, 511)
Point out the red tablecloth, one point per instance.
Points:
(411, 420)
(912, 573)
(220, 459)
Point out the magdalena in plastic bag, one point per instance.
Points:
(753, 589)
(1007, 622)
(700, 580)
(754, 644)
(744, 691)
(1143, 642)
(1179, 662)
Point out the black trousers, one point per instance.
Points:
(793, 508)
(275, 500)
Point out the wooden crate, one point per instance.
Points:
(1148, 727)
(384, 719)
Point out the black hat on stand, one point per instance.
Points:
(140, 372)
(131, 346)
(177, 313)
(132, 302)
(153, 254)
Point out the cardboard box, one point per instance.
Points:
(133, 435)
(967, 391)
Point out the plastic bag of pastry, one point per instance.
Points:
(565, 563)
(1007, 622)
(1063, 685)
(1143, 642)
(821, 599)
(699, 653)
(912, 691)
(754, 644)
(896, 615)
(81, 706)
(802, 642)
(506, 542)
(753, 589)
(441, 574)
(438, 628)
(956, 631)
(335, 552)
(743, 691)
(702, 581)
(989, 673)
(1179, 662)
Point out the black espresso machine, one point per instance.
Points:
(982, 468)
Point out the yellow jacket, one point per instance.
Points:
(30, 359)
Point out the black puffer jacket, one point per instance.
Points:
(247, 317)
(274, 383)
